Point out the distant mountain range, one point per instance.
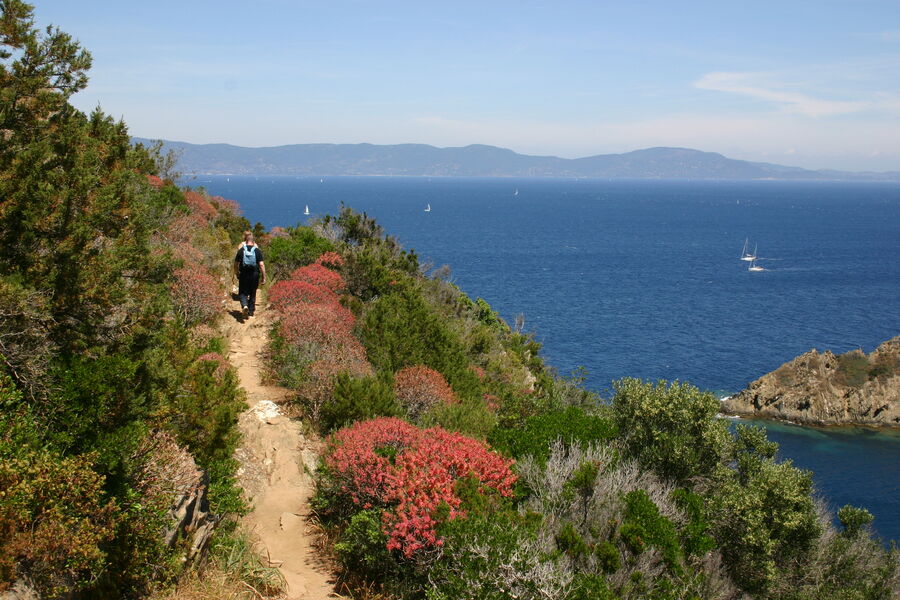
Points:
(482, 161)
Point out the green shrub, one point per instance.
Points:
(95, 395)
(401, 330)
(469, 417)
(495, 555)
(764, 518)
(570, 541)
(644, 525)
(362, 547)
(608, 558)
(670, 428)
(586, 586)
(301, 247)
(369, 274)
(288, 362)
(695, 537)
(573, 425)
(55, 518)
(854, 519)
(358, 399)
(203, 415)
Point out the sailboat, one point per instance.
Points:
(428, 208)
(745, 255)
(517, 192)
(753, 266)
(306, 210)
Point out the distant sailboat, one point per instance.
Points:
(753, 266)
(428, 208)
(517, 192)
(306, 210)
(745, 255)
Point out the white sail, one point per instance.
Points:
(745, 255)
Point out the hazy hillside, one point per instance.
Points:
(482, 161)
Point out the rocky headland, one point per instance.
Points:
(827, 389)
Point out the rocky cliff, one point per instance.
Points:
(828, 389)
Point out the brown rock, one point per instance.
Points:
(824, 389)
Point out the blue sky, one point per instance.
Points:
(807, 83)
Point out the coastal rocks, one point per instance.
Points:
(827, 389)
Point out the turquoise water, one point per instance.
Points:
(642, 279)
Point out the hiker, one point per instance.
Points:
(244, 242)
(234, 286)
(250, 271)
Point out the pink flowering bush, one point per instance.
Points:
(321, 324)
(418, 388)
(286, 294)
(320, 276)
(226, 205)
(184, 228)
(188, 253)
(199, 205)
(412, 474)
(196, 294)
(332, 260)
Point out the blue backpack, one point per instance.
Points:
(249, 261)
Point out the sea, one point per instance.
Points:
(643, 278)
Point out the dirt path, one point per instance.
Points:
(276, 462)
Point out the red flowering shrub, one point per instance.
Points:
(289, 293)
(197, 295)
(155, 181)
(410, 472)
(331, 259)
(187, 252)
(183, 228)
(321, 324)
(199, 205)
(320, 276)
(418, 388)
(225, 205)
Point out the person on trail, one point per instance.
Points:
(250, 271)
(234, 286)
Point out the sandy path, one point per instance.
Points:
(276, 462)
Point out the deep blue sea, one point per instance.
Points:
(643, 279)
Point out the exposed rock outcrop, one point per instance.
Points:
(828, 389)
(170, 479)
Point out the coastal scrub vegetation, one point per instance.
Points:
(558, 493)
(459, 466)
(115, 399)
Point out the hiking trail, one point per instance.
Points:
(277, 462)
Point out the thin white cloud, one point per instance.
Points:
(755, 85)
